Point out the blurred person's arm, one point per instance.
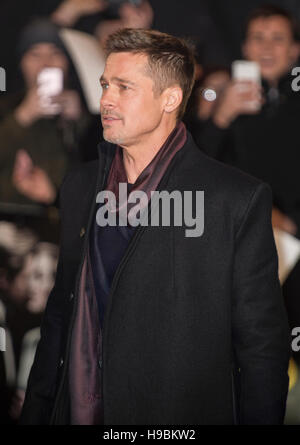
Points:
(17, 404)
(238, 98)
(70, 105)
(283, 222)
(70, 11)
(15, 128)
(31, 109)
(214, 135)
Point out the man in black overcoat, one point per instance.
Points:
(174, 314)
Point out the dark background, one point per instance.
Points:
(214, 25)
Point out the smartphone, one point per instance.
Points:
(244, 70)
(50, 83)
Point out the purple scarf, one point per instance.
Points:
(151, 176)
(84, 373)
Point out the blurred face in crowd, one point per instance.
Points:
(39, 56)
(270, 42)
(41, 276)
(130, 110)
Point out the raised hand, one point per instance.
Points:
(238, 98)
(32, 181)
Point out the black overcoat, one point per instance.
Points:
(195, 330)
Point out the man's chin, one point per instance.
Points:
(113, 139)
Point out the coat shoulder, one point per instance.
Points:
(216, 176)
(82, 179)
(78, 180)
(227, 190)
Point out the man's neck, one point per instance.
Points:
(137, 157)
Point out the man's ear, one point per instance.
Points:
(173, 98)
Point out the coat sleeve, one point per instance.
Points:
(260, 329)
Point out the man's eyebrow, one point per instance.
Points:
(117, 79)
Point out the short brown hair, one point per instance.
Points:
(171, 60)
(268, 11)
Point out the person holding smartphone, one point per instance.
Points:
(102, 17)
(39, 137)
(264, 140)
(121, 347)
(255, 125)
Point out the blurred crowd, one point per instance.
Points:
(53, 53)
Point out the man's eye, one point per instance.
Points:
(278, 38)
(257, 38)
(124, 87)
(104, 86)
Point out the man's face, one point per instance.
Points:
(39, 56)
(270, 43)
(130, 111)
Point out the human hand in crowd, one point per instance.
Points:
(283, 222)
(31, 109)
(69, 104)
(136, 16)
(239, 97)
(69, 12)
(31, 180)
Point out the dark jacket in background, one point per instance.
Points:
(188, 320)
(265, 145)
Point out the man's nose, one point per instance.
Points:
(108, 98)
(268, 44)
